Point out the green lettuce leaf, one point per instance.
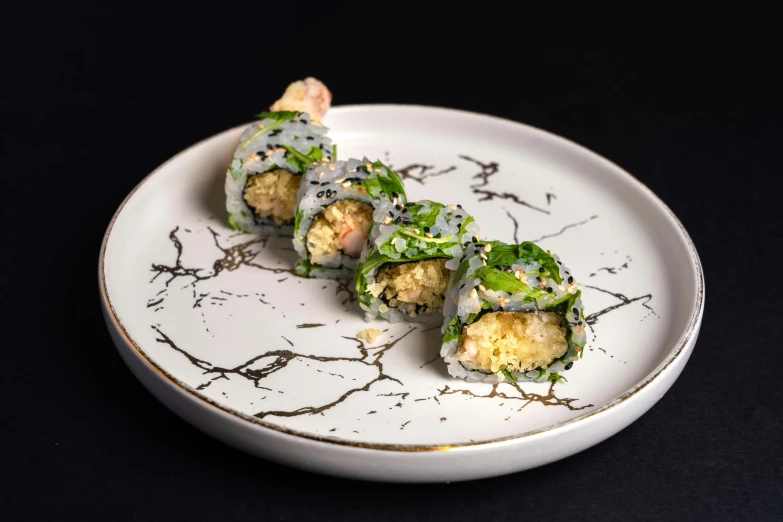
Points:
(532, 252)
(499, 280)
(462, 269)
(502, 255)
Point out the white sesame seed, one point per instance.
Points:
(339, 180)
(482, 288)
(428, 235)
(487, 247)
(346, 184)
(473, 293)
(483, 256)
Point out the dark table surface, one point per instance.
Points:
(93, 98)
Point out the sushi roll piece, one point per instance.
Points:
(406, 264)
(334, 214)
(273, 153)
(512, 312)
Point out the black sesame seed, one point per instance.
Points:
(321, 146)
(570, 279)
(559, 263)
(398, 207)
(462, 286)
(579, 323)
(391, 214)
(474, 239)
(458, 216)
(314, 183)
(542, 269)
(538, 279)
(576, 311)
(394, 195)
(426, 229)
(310, 138)
(569, 365)
(459, 206)
(269, 146)
(324, 183)
(498, 267)
(303, 121)
(466, 243)
(320, 194)
(549, 289)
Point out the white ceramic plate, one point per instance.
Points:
(218, 328)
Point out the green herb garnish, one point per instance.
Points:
(235, 168)
(301, 162)
(280, 118)
(232, 222)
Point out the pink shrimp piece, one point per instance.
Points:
(470, 346)
(308, 95)
(410, 295)
(353, 241)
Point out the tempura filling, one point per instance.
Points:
(273, 195)
(413, 288)
(342, 227)
(512, 341)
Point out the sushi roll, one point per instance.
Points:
(334, 214)
(406, 264)
(273, 153)
(512, 312)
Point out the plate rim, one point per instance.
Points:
(683, 342)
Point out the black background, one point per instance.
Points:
(92, 98)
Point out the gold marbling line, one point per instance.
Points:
(487, 171)
(406, 173)
(562, 230)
